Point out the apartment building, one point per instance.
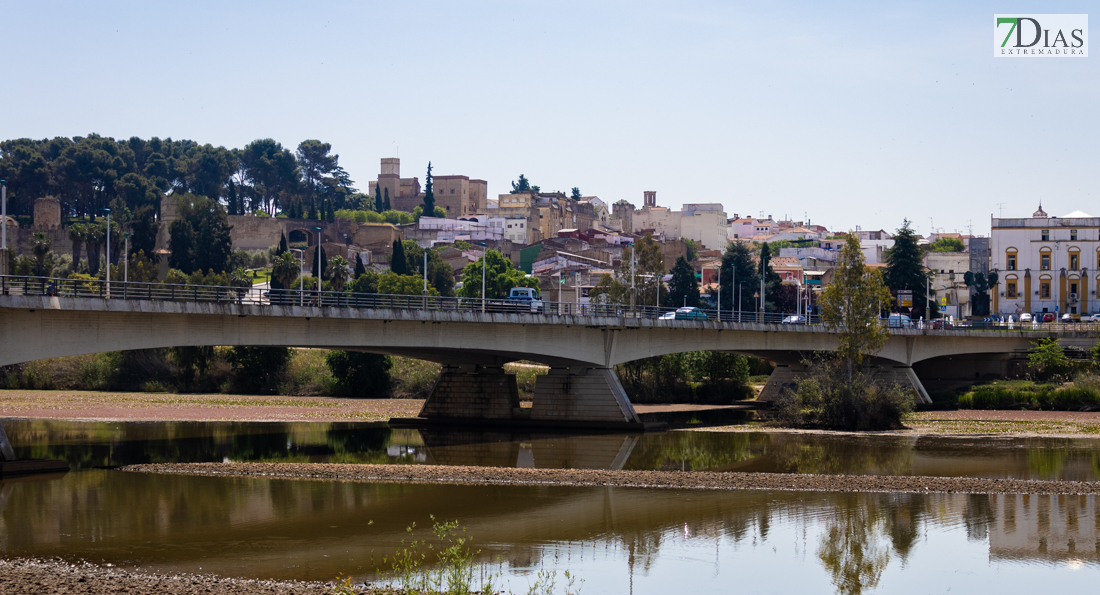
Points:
(1045, 263)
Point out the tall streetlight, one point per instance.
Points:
(4, 221)
(301, 276)
(125, 261)
(108, 275)
(320, 273)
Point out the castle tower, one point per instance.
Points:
(650, 199)
(391, 166)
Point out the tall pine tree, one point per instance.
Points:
(378, 198)
(683, 288)
(386, 203)
(324, 264)
(398, 264)
(905, 268)
(738, 278)
(359, 268)
(429, 197)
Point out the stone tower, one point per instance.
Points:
(391, 166)
(47, 214)
(624, 212)
(650, 199)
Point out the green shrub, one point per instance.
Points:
(360, 375)
(831, 398)
(1085, 395)
(258, 370)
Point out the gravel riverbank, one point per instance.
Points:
(29, 576)
(690, 480)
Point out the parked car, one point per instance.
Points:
(941, 324)
(899, 321)
(690, 313)
(1067, 317)
(668, 316)
(794, 320)
(1090, 318)
(1025, 317)
(1048, 317)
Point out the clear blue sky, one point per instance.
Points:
(857, 113)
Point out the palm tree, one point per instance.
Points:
(338, 272)
(40, 245)
(94, 237)
(284, 269)
(78, 233)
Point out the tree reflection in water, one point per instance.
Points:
(852, 546)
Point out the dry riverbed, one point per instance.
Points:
(112, 406)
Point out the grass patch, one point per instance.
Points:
(1081, 395)
(413, 378)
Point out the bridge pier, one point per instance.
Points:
(473, 392)
(785, 376)
(580, 397)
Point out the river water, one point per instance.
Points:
(618, 540)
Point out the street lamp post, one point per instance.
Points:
(301, 276)
(108, 273)
(4, 219)
(125, 261)
(320, 273)
(4, 227)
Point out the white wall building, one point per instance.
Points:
(1046, 264)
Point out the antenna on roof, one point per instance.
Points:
(1001, 205)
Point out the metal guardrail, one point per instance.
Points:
(97, 288)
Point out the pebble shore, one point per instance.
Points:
(689, 480)
(31, 576)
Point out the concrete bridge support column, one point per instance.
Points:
(6, 451)
(582, 394)
(473, 392)
(783, 375)
(789, 375)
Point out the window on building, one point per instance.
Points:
(1044, 262)
(1073, 288)
(1074, 260)
(1010, 289)
(1044, 290)
(1012, 262)
(1073, 235)
(1046, 235)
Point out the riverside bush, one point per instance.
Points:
(832, 397)
(1085, 396)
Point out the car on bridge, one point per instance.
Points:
(899, 321)
(690, 313)
(525, 297)
(794, 320)
(1048, 317)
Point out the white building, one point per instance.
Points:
(1044, 263)
(705, 223)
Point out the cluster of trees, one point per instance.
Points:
(89, 173)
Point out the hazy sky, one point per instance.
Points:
(855, 113)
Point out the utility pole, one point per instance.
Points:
(633, 299)
(4, 227)
(126, 261)
(108, 252)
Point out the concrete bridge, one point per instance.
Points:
(580, 390)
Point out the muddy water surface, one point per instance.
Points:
(618, 540)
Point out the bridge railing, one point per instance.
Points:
(98, 288)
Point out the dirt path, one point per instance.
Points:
(689, 480)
